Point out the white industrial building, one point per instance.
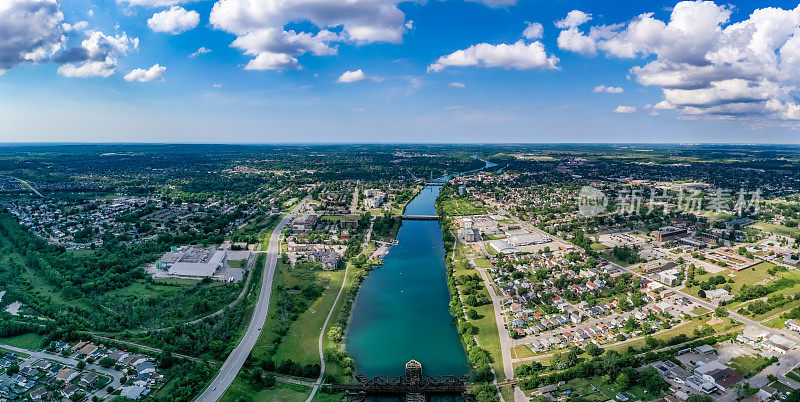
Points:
(501, 246)
(526, 239)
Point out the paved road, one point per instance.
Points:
(236, 359)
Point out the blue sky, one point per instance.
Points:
(495, 92)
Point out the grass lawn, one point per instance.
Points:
(700, 311)
(521, 351)
(611, 390)
(597, 247)
(686, 328)
(488, 337)
(781, 387)
(32, 341)
(301, 343)
(778, 229)
(241, 390)
(748, 365)
(776, 322)
(483, 263)
(237, 263)
(332, 368)
(748, 276)
(793, 375)
(459, 207)
(176, 281)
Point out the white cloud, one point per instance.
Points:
(30, 31)
(217, 85)
(155, 73)
(518, 56)
(573, 19)
(90, 13)
(175, 20)
(625, 109)
(457, 85)
(704, 65)
(272, 61)
(102, 68)
(352, 76)
(533, 31)
(608, 90)
(259, 26)
(97, 55)
(155, 3)
(198, 52)
(496, 3)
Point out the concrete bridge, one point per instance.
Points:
(420, 217)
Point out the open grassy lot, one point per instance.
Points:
(332, 368)
(778, 229)
(521, 351)
(30, 341)
(749, 276)
(301, 343)
(241, 390)
(749, 365)
(483, 263)
(611, 390)
(237, 263)
(686, 328)
(781, 387)
(460, 206)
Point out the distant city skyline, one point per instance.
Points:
(390, 71)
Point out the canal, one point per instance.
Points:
(401, 311)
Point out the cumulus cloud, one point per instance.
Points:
(457, 85)
(705, 65)
(155, 73)
(573, 19)
(155, 3)
(96, 56)
(259, 27)
(352, 76)
(533, 31)
(198, 52)
(174, 20)
(518, 56)
(30, 31)
(608, 90)
(625, 109)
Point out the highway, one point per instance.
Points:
(236, 359)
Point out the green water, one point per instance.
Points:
(401, 311)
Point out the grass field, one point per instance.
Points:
(237, 263)
(241, 390)
(748, 276)
(781, 387)
(483, 263)
(459, 207)
(685, 328)
(521, 351)
(30, 341)
(488, 337)
(332, 368)
(301, 343)
(748, 365)
(778, 229)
